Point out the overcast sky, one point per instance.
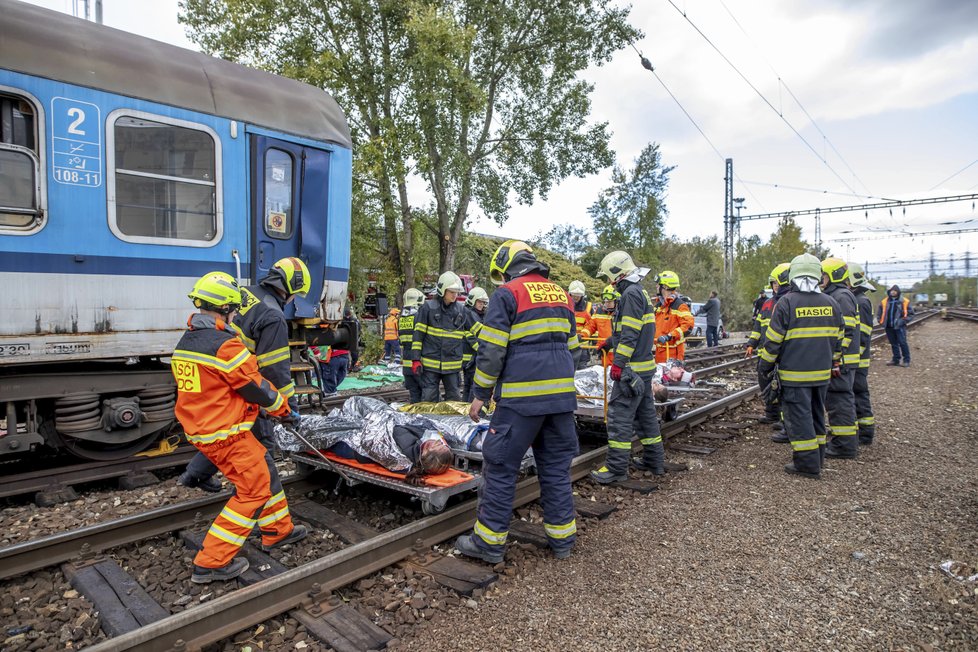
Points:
(893, 85)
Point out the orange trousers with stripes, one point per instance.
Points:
(259, 500)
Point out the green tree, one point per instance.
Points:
(570, 241)
(630, 214)
(479, 100)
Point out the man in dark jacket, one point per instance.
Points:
(803, 346)
(631, 406)
(527, 346)
(865, 421)
(712, 311)
(439, 333)
(893, 313)
(840, 400)
(778, 280)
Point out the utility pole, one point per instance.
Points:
(728, 223)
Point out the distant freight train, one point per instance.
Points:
(128, 168)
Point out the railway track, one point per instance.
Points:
(56, 483)
(307, 584)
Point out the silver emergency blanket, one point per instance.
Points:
(460, 432)
(588, 382)
(367, 426)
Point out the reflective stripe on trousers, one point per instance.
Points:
(248, 466)
(803, 410)
(630, 415)
(841, 407)
(553, 438)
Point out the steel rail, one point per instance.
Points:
(240, 609)
(245, 607)
(49, 551)
(46, 479)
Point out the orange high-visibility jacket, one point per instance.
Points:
(219, 387)
(602, 322)
(585, 321)
(672, 317)
(390, 326)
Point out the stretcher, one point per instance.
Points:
(433, 495)
(668, 409)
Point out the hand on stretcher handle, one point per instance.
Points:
(290, 428)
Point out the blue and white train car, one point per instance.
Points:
(128, 168)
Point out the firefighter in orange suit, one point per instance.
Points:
(672, 319)
(392, 346)
(603, 317)
(219, 394)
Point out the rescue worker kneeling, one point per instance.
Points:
(219, 394)
(631, 405)
(804, 342)
(525, 355)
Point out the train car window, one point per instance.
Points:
(20, 190)
(166, 182)
(278, 194)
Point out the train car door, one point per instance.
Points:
(289, 212)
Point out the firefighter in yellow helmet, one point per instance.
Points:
(778, 280)
(439, 341)
(673, 318)
(413, 300)
(219, 394)
(475, 305)
(801, 346)
(631, 407)
(526, 360)
(262, 326)
(840, 400)
(865, 421)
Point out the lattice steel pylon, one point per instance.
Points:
(729, 222)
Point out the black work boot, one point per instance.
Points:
(642, 464)
(780, 438)
(604, 475)
(203, 575)
(210, 485)
(791, 470)
(767, 419)
(839, 454)
(468, 547)
(298, 533)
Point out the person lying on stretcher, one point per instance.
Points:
(426, 450)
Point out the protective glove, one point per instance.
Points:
(416, 367)
(295, 417)
(749, 351)
(662, 339)
(616, 372)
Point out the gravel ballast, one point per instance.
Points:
(735, 554)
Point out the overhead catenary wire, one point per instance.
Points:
(821, 192)
(784, 84)
(940, 183)
(648, 66)
(764, 98)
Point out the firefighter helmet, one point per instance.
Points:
(577, 289)
(449, 281)
(836, 269)
(476, 294)
(779, 274)
(291, 276)
(616, 266)
(668, 279)
(805, 265)
(413, 298)
(609, 293)
(507, 253)
(858, 277)
(215, 290)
